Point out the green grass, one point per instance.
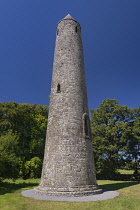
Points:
(123, 171)
(11, 198)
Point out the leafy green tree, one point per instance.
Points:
(8, 158)
(5, 115)
(132, 134)
(29, 122)
(108, 123)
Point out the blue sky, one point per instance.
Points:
(111, 41)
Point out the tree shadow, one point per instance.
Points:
(118, 186)
(7, 187)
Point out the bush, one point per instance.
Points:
(31, 168)
(136, 175)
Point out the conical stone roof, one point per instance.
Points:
(68, 17)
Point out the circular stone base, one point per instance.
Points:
(104, 196)
(69, 192)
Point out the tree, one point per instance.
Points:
(108, 123)
(29, 122)
(132, 134)
(8, 158)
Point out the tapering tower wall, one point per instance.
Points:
(68, 167)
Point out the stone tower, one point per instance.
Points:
(68, 167)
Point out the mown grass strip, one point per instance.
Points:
(11, 198)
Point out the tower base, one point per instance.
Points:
(69, 191)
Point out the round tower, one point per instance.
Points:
(68, 167)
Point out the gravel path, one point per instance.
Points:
(107, 194)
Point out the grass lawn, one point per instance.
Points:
(123, 171)
(11, 198)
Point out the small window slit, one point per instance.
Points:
(58, 88)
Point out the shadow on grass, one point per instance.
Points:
(117, 186)
(7, 187)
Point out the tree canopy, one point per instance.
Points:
(27, 123)
(116, 136)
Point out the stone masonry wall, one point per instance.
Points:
(68, 167)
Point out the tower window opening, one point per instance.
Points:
(86, 126)
(57, 31)
(76, 29)
(58, 88)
